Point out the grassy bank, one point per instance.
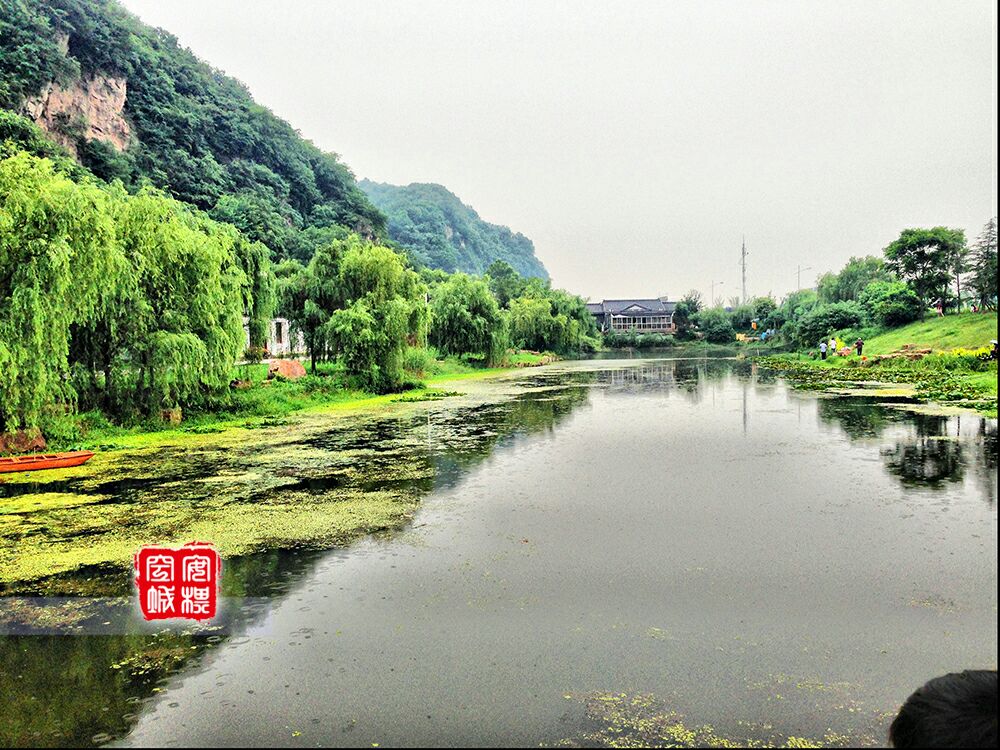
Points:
(949, 368)
(940, 334)
(259, 402)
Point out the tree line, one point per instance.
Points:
(125, 302)
(920, 270)
(133, 303)
(363, 305)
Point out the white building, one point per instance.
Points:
(281, 341)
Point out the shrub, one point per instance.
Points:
(635, 340)
(715, 325)
(419, 360)
(890, 303)
(822, 320)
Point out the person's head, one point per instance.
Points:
(956, 710)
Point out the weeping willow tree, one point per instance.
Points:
(128, 303)
(384, 308)
(465, 318)
(168, 332)
(58, 252)
(260, 296)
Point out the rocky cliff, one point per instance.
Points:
(91, 107)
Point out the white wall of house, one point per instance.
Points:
(280, 338)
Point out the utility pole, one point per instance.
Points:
(711, 299)
(798, 277)
(743, 265)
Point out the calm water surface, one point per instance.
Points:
(690, 535)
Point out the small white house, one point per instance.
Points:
(281, 340)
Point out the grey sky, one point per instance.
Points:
(637, 142)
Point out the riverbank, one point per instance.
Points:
(951, 379)
(259, 403)
(940, 334)
(319, 477)
(940, 360)
(655, 344)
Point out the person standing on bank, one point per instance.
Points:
(859, 345)
(833, 346)
(822, 350)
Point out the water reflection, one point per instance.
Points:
(857, 418)
(930, 457)
(94, 688)
(925, 450)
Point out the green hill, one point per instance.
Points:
(130, 103)
(127, 102)
(442, 232)
(968, 330)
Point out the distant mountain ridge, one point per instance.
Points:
(127, 102)
(130, 103)
(440, 231)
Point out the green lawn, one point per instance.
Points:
(967, 330)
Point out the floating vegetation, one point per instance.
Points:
(206, 429)
(891, 382)
(264, 422)
(424, 395)
(643, 720)
(329, 481)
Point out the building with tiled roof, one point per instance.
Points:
(654, 315)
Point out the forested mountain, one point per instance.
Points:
(130, 103)
(442, 232)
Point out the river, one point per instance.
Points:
(609, 551)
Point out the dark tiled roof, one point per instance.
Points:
(633, 307)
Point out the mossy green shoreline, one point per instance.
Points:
(321, 477)
(267, 404)
(927, 382)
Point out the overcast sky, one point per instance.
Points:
(636, 143)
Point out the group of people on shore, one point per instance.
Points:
(830, 347)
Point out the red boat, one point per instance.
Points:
(37, 461)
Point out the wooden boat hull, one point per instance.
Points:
(38, 461)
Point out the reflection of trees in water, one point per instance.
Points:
(93, 687)
(858, 419)
(936, 451)
(688, 377)
(940, 451)
(930, 457)
(458, 441)
(985, 465)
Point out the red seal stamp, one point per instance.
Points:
(178, 583)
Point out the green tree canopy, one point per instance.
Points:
(505, 282)
(852, 279)
(824, 320)
(131, 303)
(890, 303)
(465, 319)
(925, 258)
(384, 308)
(715, 325)
(984, 265)
(58, 253)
